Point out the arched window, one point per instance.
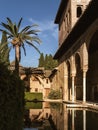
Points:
(79, 11)
(47, 81)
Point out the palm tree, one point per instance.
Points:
(18, 37)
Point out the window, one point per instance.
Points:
(36, 89)
(47, 81)
(79, 11)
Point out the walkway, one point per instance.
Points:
(80, 104)
(76, 104)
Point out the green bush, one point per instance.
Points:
(32, 96)
(54, 94)
(11, 100)
(54, 105)
(33, 105)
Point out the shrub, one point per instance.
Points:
(54, 94)
(33, 105)
(11, 100)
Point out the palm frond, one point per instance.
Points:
(15, 30)
(33, 32)
(2, 46)
(2, 30)
(31, 44)
(35, 25)
(26, 37)
(9, 21)
(5, 31)
(12, 27)
(28, 27)
(24, 49)
(25, 29)
(18, 26)
(7, 27)
(4, 37)
(36, 39)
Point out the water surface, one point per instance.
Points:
(56, 116)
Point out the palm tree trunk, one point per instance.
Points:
(17, 57)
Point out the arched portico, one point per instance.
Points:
(78, 78)
(68, 79)
(92, 75)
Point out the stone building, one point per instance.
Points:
(36, 79)
(53, 77)
(77, 53)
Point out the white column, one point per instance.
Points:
(84, 86)
(73, 88)
(84, 119)
(65, 91)
(73, 122)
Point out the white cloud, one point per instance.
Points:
(46, 25)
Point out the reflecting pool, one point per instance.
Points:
(57, 116)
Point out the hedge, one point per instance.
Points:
(11, 100)
(33, 96)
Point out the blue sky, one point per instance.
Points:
(41, 12)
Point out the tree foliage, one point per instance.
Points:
(47, 62)
(11, 100)
(4, 50)
(41, 60)
(54, 94)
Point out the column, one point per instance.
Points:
(84, 119)
(84, 86)
(73, 122)
(65, 91)
(73, 88)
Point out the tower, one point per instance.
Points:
(68, 14)
(77, 9)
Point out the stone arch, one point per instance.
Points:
(26, 80)
(84, 57)
(92, 74)
(77, 56)
(79, 77)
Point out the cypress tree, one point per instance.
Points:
(41, 60)
(47, 62)
(4, 50)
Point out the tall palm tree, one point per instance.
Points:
(19, 37)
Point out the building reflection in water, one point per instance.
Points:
(44, 112)
(58, 117)
(74, 118)
(77, 119)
